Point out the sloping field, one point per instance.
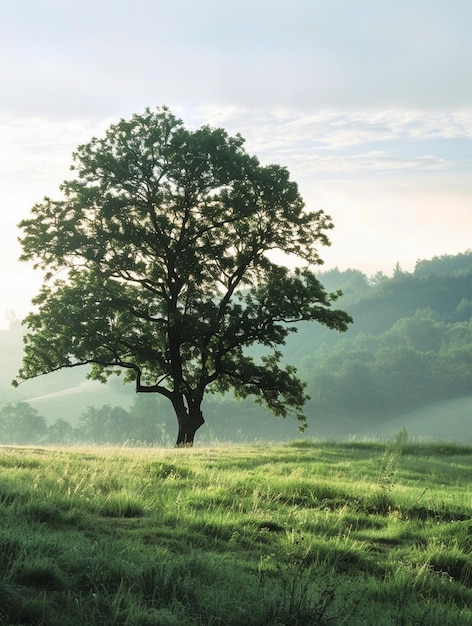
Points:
(71, 402)
(442, 421)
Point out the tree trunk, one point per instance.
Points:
(189, 423)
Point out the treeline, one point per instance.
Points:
(149, 421)
(417, 361)
(410, 344)
(143, 424)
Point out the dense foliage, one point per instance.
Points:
(410, 345)
(144, 424)
(158, 261)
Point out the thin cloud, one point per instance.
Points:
(366, 164)
(338, 130)
(315, 144)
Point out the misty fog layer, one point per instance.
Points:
(405, 362)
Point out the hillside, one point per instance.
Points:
(410, 344)
(406, 361)
(450, 420)
(63, 394)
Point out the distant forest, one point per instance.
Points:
(410, 345)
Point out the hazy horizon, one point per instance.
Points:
(367, 104)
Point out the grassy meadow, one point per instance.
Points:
(356, 533)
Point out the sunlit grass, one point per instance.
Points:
(304, 533)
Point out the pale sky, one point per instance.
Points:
(367, 102)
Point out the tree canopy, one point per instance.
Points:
(159, 261)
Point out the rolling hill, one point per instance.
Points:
(406, 362)
(450, 420)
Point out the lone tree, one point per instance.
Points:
(158, 264)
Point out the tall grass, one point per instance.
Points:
(308, 533)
